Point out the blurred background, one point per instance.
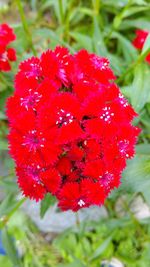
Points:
(117, 234)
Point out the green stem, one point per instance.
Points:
(96, 6)
(80, 235)
(25, 26)
(133, 65)
(117, 21)
(77, 220)
(4, 220)
(61, 11)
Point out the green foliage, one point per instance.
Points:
(10, 248)
(138, 91)
(105, 27)
(126, 240)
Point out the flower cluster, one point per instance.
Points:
(139, 41)
(7, 54)
(70, 128)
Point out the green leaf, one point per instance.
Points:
(84, 40)
(60, 9)
(134, 10)
(100, 250)
(3, 145)
(4, 261)
(76, 263)
(142, 23)
(7, 205)
(98, 42)
(139, 2)
(45, 33)
(116, 3)
(2, 116)
(86, 11)
(128, 50)
(136, 177)
(75, 16)
(10, 248)
(115, 63)
(46, 203)
(143, 149)
(139, 91)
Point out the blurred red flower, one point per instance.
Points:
(139, 41)
(7, 54)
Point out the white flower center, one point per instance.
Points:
(64, 117)
(81, 203)
(107, 114)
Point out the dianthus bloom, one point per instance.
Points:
(139, 41)
(70, 128)
(7, 54)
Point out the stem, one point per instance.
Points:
(61, 11)
(80, 235)
(117, 21)
(25, 26)
(4, 220)
(96, 6)
(133, 65)
(77, 219)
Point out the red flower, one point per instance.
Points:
(6, 34)
(28, 180)
(62, 114)
(35, 180)
(29, 142)
(79, 195)
(70, 128)
(64, 166)
(51, 180)
(139, 41)
(6, 54)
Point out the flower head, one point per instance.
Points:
(70, 128)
